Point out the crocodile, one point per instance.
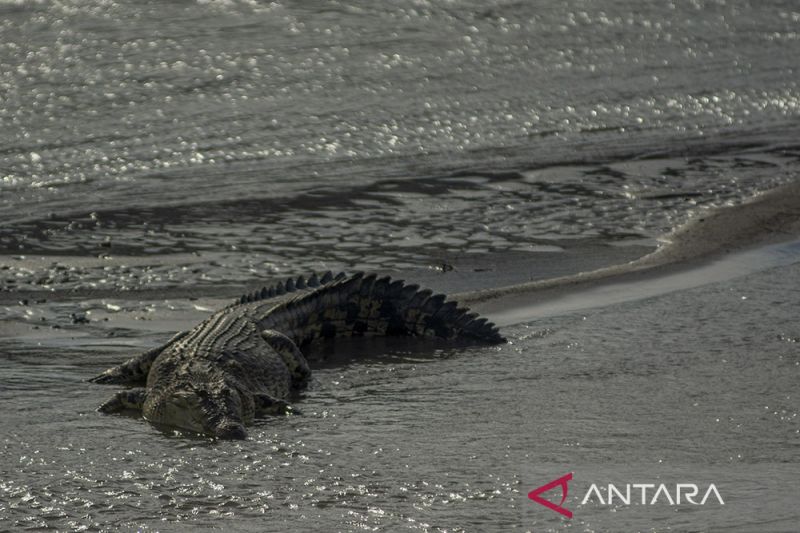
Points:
(245, 360)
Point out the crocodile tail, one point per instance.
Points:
(361, 305)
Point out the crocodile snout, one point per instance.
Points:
(231, 431)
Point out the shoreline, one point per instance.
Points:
(768, 218)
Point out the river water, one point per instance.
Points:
(157, 159)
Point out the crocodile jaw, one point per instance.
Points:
(217, 414)
(230, 430)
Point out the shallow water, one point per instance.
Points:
(157, 159)
(350, 135)
(691, 386)
(230, 141)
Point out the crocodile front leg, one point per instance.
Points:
(134, 371)
(267, 405)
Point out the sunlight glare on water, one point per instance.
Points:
(157, 159)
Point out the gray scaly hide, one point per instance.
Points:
(245, 360)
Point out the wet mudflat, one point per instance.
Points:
(158, 160)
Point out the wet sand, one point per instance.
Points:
(494, 284)
(714, 245)
(769, 218)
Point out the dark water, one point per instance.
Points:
(156, 158)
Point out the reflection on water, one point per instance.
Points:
(697, 384)
(160, 101)
(156, 158)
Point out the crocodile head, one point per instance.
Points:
(217, 410)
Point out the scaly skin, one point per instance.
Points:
(244, 361)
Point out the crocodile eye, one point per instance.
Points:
(202, 393)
